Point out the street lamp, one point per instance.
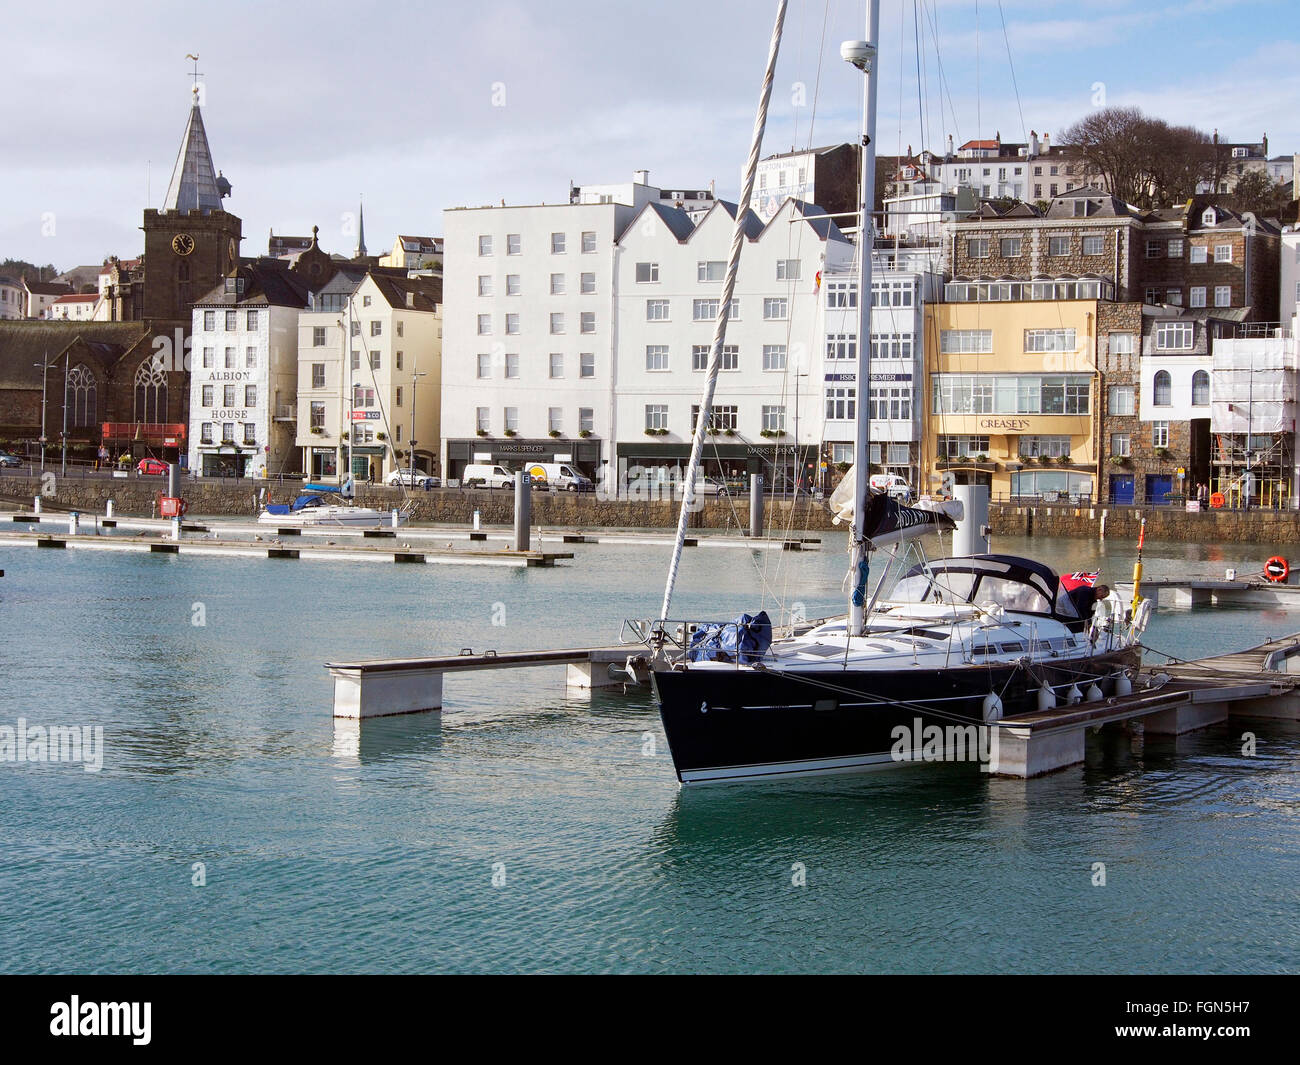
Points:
(415, 377)
(44, 366)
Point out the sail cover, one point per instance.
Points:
(888, 521)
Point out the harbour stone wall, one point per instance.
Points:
(136, 497)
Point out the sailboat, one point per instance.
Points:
(953, 641)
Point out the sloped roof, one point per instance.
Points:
(267, 282)
(426, 292)
(194, 182)
(24, 345)
(47, 288)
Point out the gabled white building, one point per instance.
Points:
(528, 332)
(243, 373)
(767, 407)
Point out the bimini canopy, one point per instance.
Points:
(1009, 581)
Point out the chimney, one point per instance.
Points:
(1047, 142)
(949, 154)
(1265, 145)
(1033, 143)
(998, 138)
(410, 299)
(641, 177)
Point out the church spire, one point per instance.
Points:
(195, 183)
(361, 230)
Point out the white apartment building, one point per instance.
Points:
(528, 332)
(243, 374)
(900, 289)
(73, 308)
(385, 393)
(767, 408)
(1290, 278)
(12, 298)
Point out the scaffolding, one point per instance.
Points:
(1252, 420)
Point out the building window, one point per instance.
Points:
(891, 403)
(1010, 394)
(721, 418)
(484, 365)
(1042, 340)
(227, 432)
(730, 357)
(892, 345)
(1223, 295)
(318, 375)
(250, 358)
(251, 321)
(250, 395)
(1094, 245)
(355, 359)
(205, 433)
(209, 321)
(318, 336)
(209, 357)
(150, 393)
(483, 420)
(1175, 249)
(376, 329)
(957, 447)
(208, 394)
(588, 284)
(1058, 245)
(484, 325)
(374, 359)
(587, 322)
(512, 366)
(966, 341)
(232, 321)
(362, 397)
(485, 284)
(485, 245)
(1152, 296)
(250, 433)
(700, 356)
(1121, 400)
(1198, 253)
(513, 245)
(647, 273)
(656, 310)
(512, 284)
(656, 357)
(1121, 343)
(554, 419)
(587, 364)
(1155, 248)
(1120, 445)
(841, 294)
(714, 270)
(1174, 297)
(1056, 447)
(1223, 253)
(1162, 393)
(1159, 434)
(588, 242)
(773, 419)
(841, 346)
(365, 301)
(512, 325)
(397, 360)
(511, 419)
(557, 323)
(230, 358)
(586, 420)
(656, 416)
(787, 269)
(977, 248)
(557, 285)
(557, 243)
(1200, 389)
(1175, 336)
(1196, 296)
(1010, 247)
(356, 328)
(774, 356)
(841, 403)
(776, 308)
(557, 364)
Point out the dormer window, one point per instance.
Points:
(1209, 217)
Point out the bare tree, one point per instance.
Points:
(1178, 158)
(1110, 142)
(1258, 193)
(1143, 161)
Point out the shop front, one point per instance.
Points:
(729, 463)
(224, 460)
(323, 463)
(585, 454)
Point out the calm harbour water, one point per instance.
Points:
(374, 849)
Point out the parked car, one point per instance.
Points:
(7, 459)
(412, 479)
(151, 468)
(893, 485)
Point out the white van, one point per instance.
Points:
(487, 475)
(559, 475)
(893, 485)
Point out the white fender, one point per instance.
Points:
(1073, 696)
(1094, 694)
(992, 707)
(1123, 686)
(1046, 698)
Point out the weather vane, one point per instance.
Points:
(195, 75)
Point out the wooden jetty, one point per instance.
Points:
(1261, 682)
(1210, 591)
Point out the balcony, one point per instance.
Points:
(286, 412)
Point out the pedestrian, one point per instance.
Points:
(371, 478)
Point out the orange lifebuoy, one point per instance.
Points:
(1216, 500)
(1276, 569)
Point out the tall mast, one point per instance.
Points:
(724, 306)
(865, 59)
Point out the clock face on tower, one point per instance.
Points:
(182, 244)
(234, 252)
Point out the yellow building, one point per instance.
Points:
(1011, 397)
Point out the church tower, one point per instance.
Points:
(191, 242)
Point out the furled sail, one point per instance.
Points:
(887, 520)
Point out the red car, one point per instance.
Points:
(151, 468)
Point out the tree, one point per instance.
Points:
(1143, 160)
(16, 268)
(1110, 142)
(1258, 193)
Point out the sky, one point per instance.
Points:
(421, 106)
